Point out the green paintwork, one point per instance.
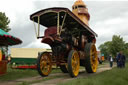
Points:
(23, 60)
(7, 39)
(3, 32)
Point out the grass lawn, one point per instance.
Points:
(116, 76)
(13, 74)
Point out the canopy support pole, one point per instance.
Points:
(35, 28)
(63, 22)
(58, 27)
(38, 26)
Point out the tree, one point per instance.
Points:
(105, 48)
(113, 47)
(4, 22)
(117, 45)
(126, 46)
(125, 51)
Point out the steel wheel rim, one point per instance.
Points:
(93, 58)
(75, 63)
(45, 64)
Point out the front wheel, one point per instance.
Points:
(73, 63)
(91, 59)
(44, 65)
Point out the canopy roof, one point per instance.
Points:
(48, 18)
(7, 39)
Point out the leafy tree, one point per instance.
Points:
(117, 45)
(104, 48)
(4, 21)
(113, 47)
(125, 51)
(126, 46)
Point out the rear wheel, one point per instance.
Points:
(64, 68)
(91, 59)
(44, 65)
(73, 63)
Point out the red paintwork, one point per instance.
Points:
(26, 67)
(51, 31)
(9, 40)
(47, 40)
(50, 35)
(3, 67)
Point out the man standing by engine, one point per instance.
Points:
(119, 63)
(123, 60)
(111, 60)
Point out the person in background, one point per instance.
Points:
(102, 58)
(111, 60)
(117, 60)
(119, 63)
(123, 60)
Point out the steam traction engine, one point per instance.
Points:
(70, 38)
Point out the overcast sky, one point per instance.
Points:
(108, 18)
